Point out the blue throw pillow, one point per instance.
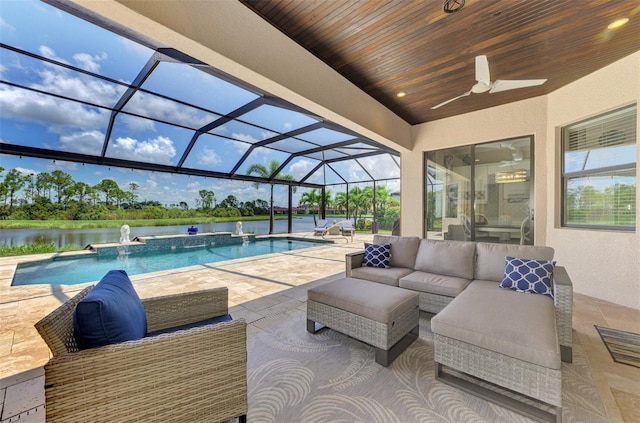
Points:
(111, 313)
(529, 276)
(377, 255)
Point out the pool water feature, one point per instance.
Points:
(72, 270)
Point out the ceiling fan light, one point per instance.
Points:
(480, 87)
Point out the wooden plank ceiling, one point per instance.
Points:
(389, 46)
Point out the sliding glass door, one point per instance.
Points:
(481, 192)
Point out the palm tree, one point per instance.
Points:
(265, 173)
(340, 202)
(312, 198)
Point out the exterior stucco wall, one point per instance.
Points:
(602, 264)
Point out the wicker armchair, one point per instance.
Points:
(193, 375)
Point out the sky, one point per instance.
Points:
(30, 117)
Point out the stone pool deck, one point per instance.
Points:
(258, 286)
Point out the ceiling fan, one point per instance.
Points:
(484, 83)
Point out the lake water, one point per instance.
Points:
(84, 237)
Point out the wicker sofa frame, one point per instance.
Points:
(194, 375)
(542, 386)
(534, 381)
(563, 289)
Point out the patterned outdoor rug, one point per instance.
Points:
(624, 347)
(328, 377)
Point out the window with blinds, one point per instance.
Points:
(599, 171)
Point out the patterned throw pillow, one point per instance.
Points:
(529, 276)
(377, 255)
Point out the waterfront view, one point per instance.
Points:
(83, 237)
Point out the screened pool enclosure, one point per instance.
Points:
(83, 90)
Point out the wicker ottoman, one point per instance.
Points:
(383, 316)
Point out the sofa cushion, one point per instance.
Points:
(390, 276)
(451, 258)
(376, 255)
(490, 258)
(528, 276)
(374, 301)
(403, 249)
(503, 321)
(110, 313)
(449, 286)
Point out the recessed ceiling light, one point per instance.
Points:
(617, 23)
(401, 94)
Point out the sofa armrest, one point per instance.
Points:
(352, 261)
(563, 300)
(170, 311)
(138, 380)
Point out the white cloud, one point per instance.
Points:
(244, 137)
(57, 115)
(301, 168)
(50, 53)
(156, 150)
(57, 164)
(25, 171)
(89, 142)
(89, 63)
(5, 26)
(209, 157)
(160, 108)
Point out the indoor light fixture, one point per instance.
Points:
(511, 177)
(401, 94)
(617, 23)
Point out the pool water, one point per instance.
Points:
(72, 270)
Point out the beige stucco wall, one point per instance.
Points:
(603, 264)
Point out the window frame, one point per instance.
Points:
(565, 177)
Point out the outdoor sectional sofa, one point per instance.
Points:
(512, 339)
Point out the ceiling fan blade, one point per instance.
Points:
(449, 101)
(482, 70)
(504, 85)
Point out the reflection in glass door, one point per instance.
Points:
(481, 192)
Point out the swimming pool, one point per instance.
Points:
(72, 270)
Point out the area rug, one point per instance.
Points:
(624, 347)
(295, 376)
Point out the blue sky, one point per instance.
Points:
(31, 118)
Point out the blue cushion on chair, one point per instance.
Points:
(111, 313)
(377, 255)
(529, 276)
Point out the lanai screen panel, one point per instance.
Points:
(190, 85)
(382, 166)
(73, 90)
(216, 154)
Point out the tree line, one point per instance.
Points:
(58, 196)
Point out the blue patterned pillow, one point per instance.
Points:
(377, 255)
(529, 276)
